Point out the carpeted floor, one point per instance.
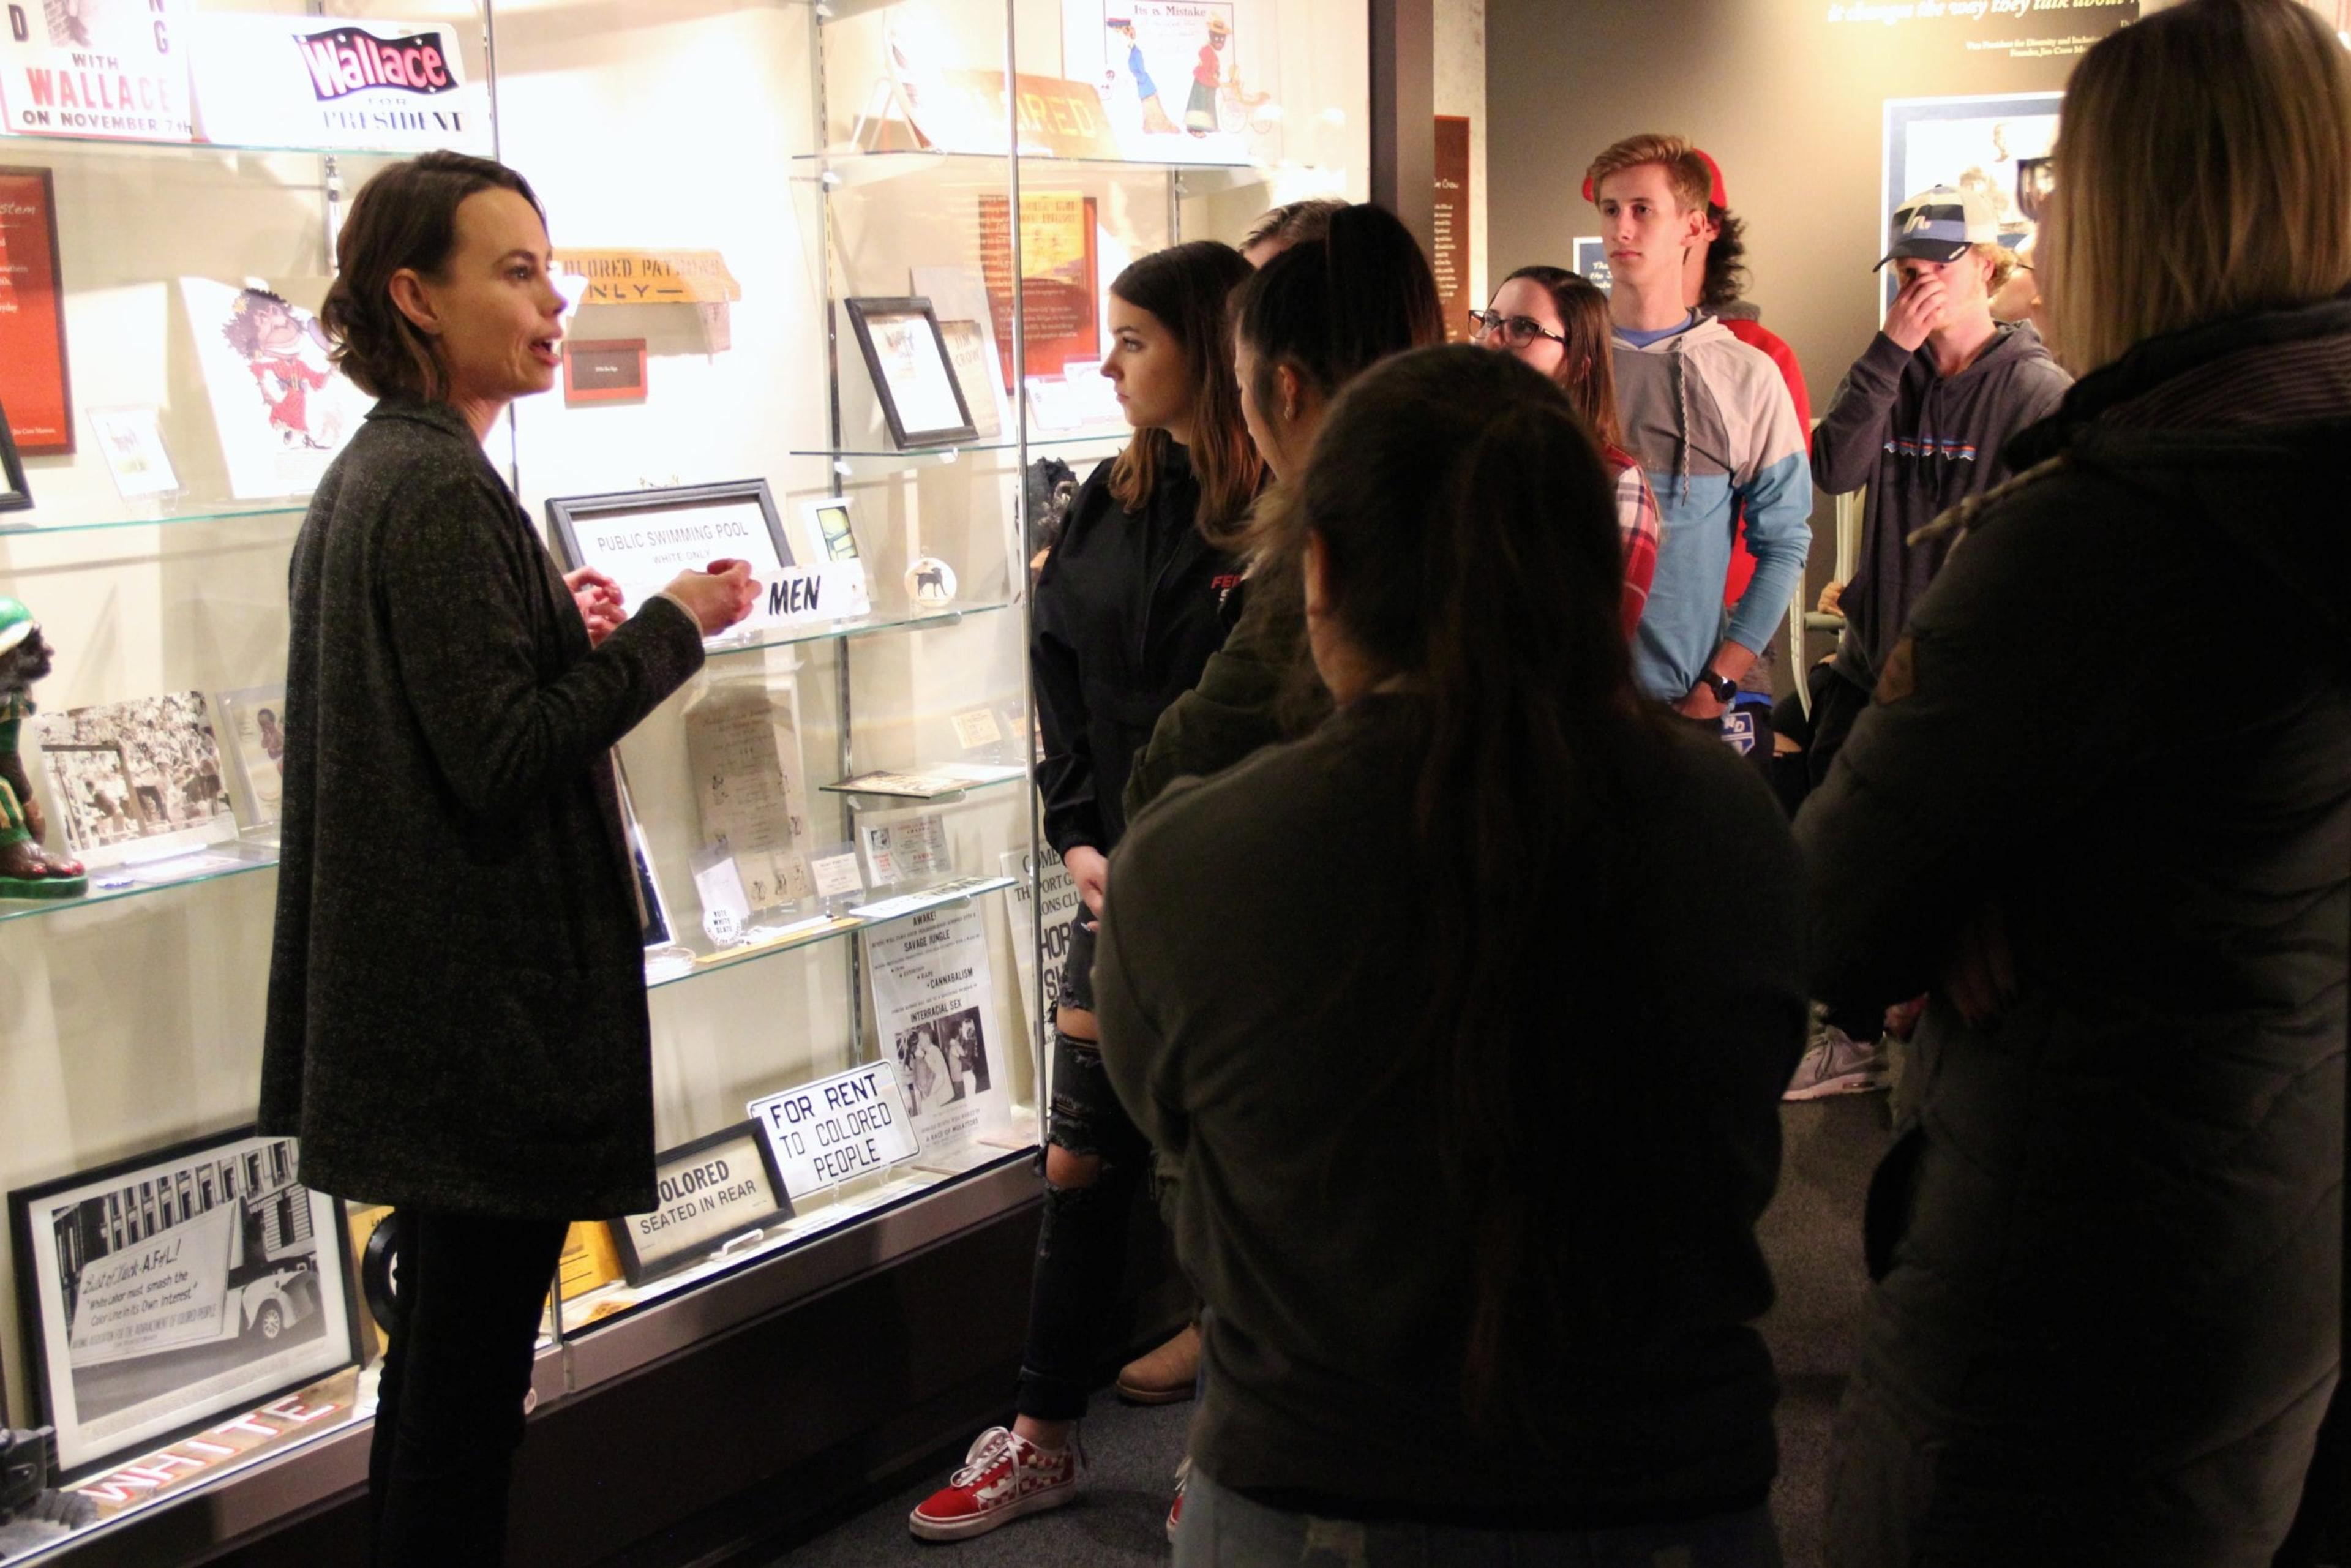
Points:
(1812, 1234)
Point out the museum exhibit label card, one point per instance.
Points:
(934, 1008)
(743, 743)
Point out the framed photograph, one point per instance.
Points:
(607, 369)
(34, 384)
(254, 722)
(972, 350)
(912, 374)
(1998, 145)
(711, 1190)
(131, 440)
(643, 539)
(16, 495)
(137, 781)
(162, 1291)
(827, 531)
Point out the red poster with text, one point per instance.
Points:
(33, 386)
(1057, 279)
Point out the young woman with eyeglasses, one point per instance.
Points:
(1556, 321)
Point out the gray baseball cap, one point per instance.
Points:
(1940, 223)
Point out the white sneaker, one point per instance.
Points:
(1836, 1064)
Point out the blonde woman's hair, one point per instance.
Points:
(2203, 165)
(2005, 264)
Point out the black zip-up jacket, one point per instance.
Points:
(1128, 611)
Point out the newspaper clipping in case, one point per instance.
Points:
(107, 68)
(934, 1007)
(333, 81)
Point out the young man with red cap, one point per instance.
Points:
(1714, 428)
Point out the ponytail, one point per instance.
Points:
(1469, 546)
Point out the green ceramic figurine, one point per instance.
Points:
(26, 871)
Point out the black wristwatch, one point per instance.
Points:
(1725, 689)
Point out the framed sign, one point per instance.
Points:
(825, 1132)
(644, 539)
(605, 370)
(913, 375)
(34, 384)
(162, 1290)
(712, 1190)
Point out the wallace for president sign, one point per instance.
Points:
(325, 81)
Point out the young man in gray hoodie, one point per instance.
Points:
(1920, 419)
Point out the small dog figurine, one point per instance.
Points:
(26, 871)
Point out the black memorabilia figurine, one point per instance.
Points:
(26, 871)
(27, 1459)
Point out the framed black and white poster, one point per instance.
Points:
(643, 539)
(914, 371)
(162, 1291)
(712, 1190)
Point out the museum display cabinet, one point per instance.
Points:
(840, 272)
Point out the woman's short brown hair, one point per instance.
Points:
(404, 217)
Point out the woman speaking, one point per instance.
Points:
(456, 1022)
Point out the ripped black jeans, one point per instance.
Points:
(1074, 1293)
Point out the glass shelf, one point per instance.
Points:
(908, 457)
(218, 512)
(794, 935)
(845, 166)
(783, 636)
(211, 863)
(820, 1214)
(956, 791)
(142, 146)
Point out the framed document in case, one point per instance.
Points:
(913, 372)
(643, 539)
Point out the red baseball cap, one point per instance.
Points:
(1716, 195)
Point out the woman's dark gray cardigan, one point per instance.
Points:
(456, 991)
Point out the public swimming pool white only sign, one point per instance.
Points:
(825, 1132)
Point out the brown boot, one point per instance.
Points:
(1167, 1375)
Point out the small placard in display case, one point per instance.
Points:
(835, 1129)
(715, 1190)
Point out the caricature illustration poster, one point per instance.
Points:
(281, 409)
(1176, 77)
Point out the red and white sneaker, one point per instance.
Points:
(1175, 1509)
(1003, 1477)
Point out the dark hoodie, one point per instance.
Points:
(2108, 1241)
(1922, 442)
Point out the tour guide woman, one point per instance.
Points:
(457, 1020)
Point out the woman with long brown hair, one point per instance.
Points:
(2107, 1239)
(1557, 321)
(1470, 1284)
(1128, 609)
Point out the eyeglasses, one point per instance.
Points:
(1517, 332)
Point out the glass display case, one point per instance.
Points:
(840, 271)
